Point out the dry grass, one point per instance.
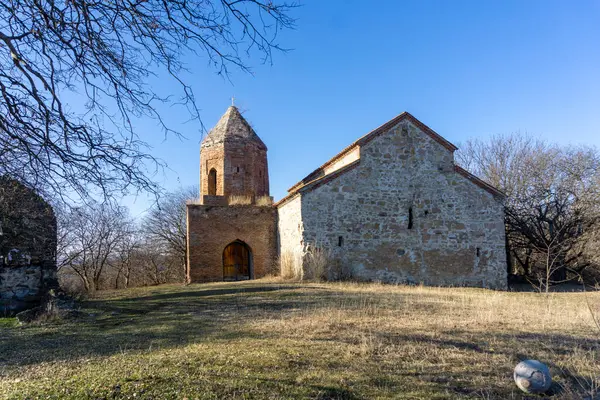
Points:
(264, 201)
(290, 266)
(317, 262)
(276, 340)
(239, 200)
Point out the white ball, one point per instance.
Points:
(532, 376)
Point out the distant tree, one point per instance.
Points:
(552, 206)
(101, 54)
(166, 225)
(156, 266)
(123, 260)
(93, 236)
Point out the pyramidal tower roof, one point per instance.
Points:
(232, 127)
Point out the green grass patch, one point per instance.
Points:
(8, 322)
(278, 340)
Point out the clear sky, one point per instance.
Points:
(464, 68)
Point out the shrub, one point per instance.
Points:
(317, 262)
(338, 271)
(290, 266)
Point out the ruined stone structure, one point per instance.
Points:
(391, 207)
(27, 247)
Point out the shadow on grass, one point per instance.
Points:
(219, 313)
(215, 292)
(160, 320)
(515, 348)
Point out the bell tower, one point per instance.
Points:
(232, 239)
(233, 161)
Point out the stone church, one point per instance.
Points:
(391, 207)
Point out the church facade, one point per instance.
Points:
(391, 207)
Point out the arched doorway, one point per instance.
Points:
(237, 262)
(212, 182)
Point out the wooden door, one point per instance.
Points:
(236, 262)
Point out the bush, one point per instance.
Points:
(290, 266)
(317, 263)
(338, 271)
(71, 284)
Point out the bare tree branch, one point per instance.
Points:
(104, 53)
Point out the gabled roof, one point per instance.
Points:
(318, 182)
(318, 176)
(370, 136)
(232, 127)
(479, 182)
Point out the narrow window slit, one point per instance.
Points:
(410, 218)
(340, 241)
(478, 252)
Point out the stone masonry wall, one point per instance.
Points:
(212, 228)
(290, 230)
(402, 214)
(27, 247)
(21, 286)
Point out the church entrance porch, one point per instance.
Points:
(237, 262)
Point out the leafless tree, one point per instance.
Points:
(101, 55)
(123, 260)
(552, 200)
(166, 226)
(94, 234)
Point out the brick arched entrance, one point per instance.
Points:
(237, 262)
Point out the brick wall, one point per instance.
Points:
(241, 168)
(212, 228)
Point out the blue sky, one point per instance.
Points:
(464, 68)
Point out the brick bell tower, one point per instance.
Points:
(233, 161)
(231, 229)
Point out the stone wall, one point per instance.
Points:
(27, 247)
(403, 214)
(290, 230)
(212, 228)
(22, 286)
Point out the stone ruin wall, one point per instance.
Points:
(27, 247)
(457, 232)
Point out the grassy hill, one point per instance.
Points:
(277, 340)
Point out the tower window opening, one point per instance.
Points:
(212, 182)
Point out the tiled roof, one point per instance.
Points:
(479, 182)
(370, 136)
(232, 127)
(318, 177)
